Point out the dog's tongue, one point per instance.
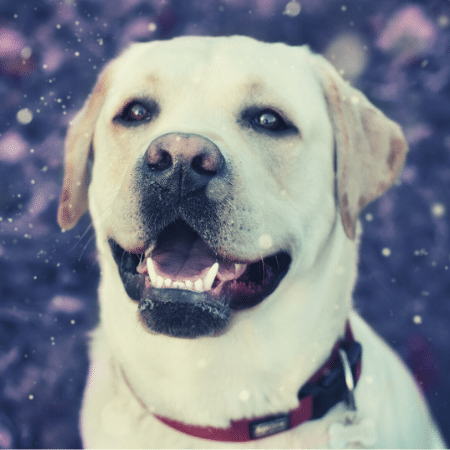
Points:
(182, 254)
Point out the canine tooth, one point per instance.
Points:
(209, 279)
(152, 271)
(149, 251)
(159, 281)
(167, 282)
(198, 285)
(237, 267)
(189, 284)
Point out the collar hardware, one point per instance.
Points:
(267, 426)
(349, 381)
(331, 388)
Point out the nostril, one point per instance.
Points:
(198, 165)
(159, 159)
(207, 163)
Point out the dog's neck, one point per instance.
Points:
(334, 382)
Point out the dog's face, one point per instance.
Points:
(213, 178)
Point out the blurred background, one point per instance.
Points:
(51, 51)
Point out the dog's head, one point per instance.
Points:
(216, 170)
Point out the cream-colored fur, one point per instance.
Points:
(284, 198)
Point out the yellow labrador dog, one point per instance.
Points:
(224, 178)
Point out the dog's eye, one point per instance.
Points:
(269, 120)
(135, 112)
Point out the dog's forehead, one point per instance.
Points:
(225, 62)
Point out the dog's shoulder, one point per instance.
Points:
(387, 393)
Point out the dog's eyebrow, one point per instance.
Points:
(259, 91)
(148, 89)
(255, 87)
(147, 94)
(261, 95)
(153, 80)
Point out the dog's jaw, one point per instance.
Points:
(186, 289)
(267, 344)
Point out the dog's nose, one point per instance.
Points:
(188, 160)
(199, 154)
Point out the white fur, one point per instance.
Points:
(286, 192)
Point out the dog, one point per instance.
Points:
(224, 178)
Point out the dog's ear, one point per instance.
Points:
(370, 148)
(78, 148)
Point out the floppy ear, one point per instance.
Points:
(370, 148)
(74, 197)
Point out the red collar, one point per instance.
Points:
(324, 389)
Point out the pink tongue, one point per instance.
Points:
(183, 255)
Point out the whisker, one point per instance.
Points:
(89, 227)
(85, 247)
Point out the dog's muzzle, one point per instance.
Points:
(185, 287)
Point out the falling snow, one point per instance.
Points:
(438, 210)
(265, 241)
(24, 116)
(292, 9)
(244, 395)
(417, 319)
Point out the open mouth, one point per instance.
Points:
(185, 289)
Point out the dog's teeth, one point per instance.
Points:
(198, 285)
(151, 271)
(159, 282)
(209, 279)
(149, 251)
(237, 267)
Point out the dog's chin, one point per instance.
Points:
(184, 289)
(182, 313)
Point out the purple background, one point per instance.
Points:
(50, 53)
